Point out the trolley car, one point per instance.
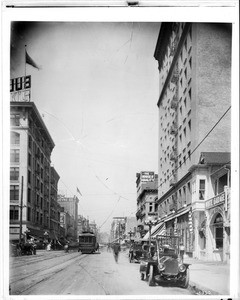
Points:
(88, 242)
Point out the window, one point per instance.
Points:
(202, 189)
(29, 142)
(218, 224)
(190, 94)
(15, 138)
(29, 195)
(14, 214)
(185, 73)
(29, 159)
(14, 173)
(189, 125)
(14, 155)
(14, 192)
(150, 207)
(29, 214)
(29, 177)
(190, 62)
(15, 120)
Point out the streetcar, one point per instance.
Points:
(88, 242)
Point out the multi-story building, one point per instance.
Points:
(70, 205)
(83, 224)
(54, 206)
(194, 61)
(147, 195)
(30, 173)
(118, 229)
(67, 222)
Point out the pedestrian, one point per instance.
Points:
(182, 250)
(97, 247)
(66, 248)
(116, 250)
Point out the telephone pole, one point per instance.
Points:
(21, 208)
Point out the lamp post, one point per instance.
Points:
(26, 233)
(45, 236)
(150, 223)
(130, 234)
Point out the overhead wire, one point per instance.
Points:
(188, 157)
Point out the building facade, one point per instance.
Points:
(147, 195)
(194, 62)
(30, 174)
(70, 205)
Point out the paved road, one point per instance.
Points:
(59, 273)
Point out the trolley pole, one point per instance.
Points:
(21, 208)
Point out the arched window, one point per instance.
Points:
(218, 224)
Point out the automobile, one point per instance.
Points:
(135, 252)
(165, 266)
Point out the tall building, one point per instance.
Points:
(30, 173)
(147, 189)
(194, 62)
(70, 205)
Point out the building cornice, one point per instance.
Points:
(31, 105)
(170, 191)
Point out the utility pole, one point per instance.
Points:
(21, 208)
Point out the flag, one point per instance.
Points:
(30, 61)
(79, 191)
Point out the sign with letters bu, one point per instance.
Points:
(20, 89)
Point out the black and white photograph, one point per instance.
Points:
(120, 155)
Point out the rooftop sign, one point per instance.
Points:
(20, 89)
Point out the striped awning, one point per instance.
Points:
(154, 231)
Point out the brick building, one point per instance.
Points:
(194, 61)
(31, 175)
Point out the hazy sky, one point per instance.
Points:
(97, 91)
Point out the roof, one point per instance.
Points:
(38, 118)
(211, 158)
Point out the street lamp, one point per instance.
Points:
(150, 222)
(46, 236)
(130, 234)
(26, 233)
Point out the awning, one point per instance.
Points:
(177, 215)
(154, 231)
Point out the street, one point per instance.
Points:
(59, 273)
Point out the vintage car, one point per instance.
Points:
(165, 266)
(135, 252)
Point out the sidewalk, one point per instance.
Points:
(212, 278)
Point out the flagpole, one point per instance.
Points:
(25, 59)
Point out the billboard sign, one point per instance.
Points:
(147, 176)
(20, 89)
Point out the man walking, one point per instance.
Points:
(116, 250)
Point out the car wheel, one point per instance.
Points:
(185, 282)
(142, 276)
(151, 276)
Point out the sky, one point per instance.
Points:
(97, 91)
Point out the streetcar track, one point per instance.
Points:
(40, 281)
(42, 269)
(16, 264)
(101, 286)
